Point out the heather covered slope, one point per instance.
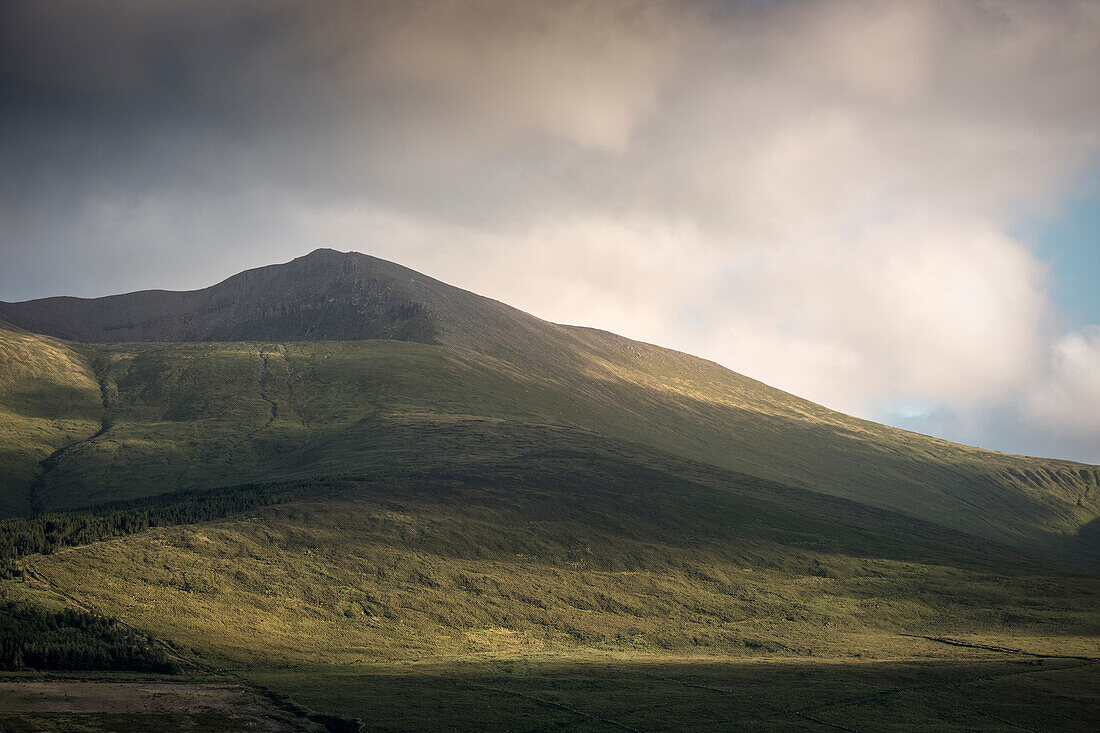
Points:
(496, 594)
(154, 417)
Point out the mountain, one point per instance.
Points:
(409, 507)
(324, 296)
(313, 366)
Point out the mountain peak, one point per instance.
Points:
(328, 253)
(324, 295)
(329, 256)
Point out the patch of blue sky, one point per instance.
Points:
(1069, 240)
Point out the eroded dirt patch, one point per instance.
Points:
(134, 706)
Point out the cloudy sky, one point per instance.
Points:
(892, 208)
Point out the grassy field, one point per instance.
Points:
(572, 553)
(580, 592)
(977, 694)
(994, 693)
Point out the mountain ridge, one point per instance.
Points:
(216, 313)
(194, 413)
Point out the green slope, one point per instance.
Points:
(49, 399)
(207, 414)
(583, 578)
(569, 553)
(537, 526)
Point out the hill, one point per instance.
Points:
(594, 588)
(253, 387)
(441, 513)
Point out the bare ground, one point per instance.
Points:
(64, 705)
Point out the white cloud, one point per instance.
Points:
(930, 311)
(1067, 402)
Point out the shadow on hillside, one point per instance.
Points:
(981, 695)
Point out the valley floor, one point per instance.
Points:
(105, 702)
(982, 692)
(523, 597)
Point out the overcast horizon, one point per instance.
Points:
(889, 208)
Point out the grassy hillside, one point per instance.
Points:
(275, 398)
(49, 399)
(195, 415)
(568, 553)
(465, 517)
(581, 591)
